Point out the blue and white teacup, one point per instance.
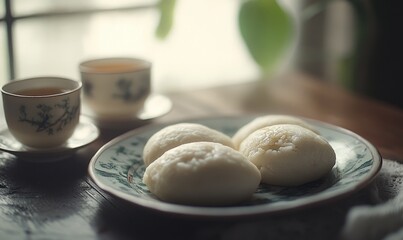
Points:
(115, 88)
(42, 112)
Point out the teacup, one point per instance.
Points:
(42, 112)
(115, 88)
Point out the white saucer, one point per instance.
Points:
(155, 106)
(86, 132)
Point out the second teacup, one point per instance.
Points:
(115, 88)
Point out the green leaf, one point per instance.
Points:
(267, 31)
(166, 8)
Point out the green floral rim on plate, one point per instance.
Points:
(118, 168)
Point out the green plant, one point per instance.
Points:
(267, 30)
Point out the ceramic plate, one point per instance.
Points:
(85, 133)
(118, 169)
(155, 106)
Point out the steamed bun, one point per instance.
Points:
(288, 155)
(178, 134)
(265, 121)
(202, 173)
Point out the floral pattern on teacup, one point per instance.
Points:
(45, 121)
(87, 88)
(129, 93)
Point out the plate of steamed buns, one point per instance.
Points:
(235, 166)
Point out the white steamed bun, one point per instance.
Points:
(288, 155)
(178, 134)
(202, 173)
(265, 121)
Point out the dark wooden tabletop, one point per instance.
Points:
(59, 201)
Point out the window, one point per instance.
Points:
(202, 49)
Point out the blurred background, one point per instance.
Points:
(195, 44)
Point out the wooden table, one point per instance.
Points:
(59, 201)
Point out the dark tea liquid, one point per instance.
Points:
(114, 67)
(40, 91)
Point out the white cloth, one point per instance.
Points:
(384, 220)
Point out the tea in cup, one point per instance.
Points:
(42, 112)
(115, 88)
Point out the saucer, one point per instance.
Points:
(155, 106)
(85, 133)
